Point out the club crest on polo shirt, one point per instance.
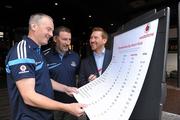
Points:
(73, 64)
(23, 69)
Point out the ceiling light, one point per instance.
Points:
(1, 34)
(55, 3)
(112, 24)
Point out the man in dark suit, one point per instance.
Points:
(94, 65)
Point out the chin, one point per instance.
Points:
(45, 43)
(65, 50)
(93, 48)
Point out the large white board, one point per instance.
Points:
(114, 94)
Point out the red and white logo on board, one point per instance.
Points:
(147, 28)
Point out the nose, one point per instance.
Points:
(51, 34)
(92, 39)
(68, 42)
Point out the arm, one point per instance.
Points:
(31, 97)
(82, 75)
(63, 88)
(85, 75)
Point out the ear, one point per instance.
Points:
(33, 26)
(54, 39)
(105, 41)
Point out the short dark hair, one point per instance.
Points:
(104, 33)
(60, 29)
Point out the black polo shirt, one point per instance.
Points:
(63, 69)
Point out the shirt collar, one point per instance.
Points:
(61, 54)
(32, 44)
(99, 54)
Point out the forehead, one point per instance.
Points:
(64, 33)
(96, 33)
(46, 21)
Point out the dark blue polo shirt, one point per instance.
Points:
(24, 60)
(63, 69)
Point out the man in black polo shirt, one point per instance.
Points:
(63, 66)
(29, 86)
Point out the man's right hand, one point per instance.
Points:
(92, 77)
(76, 109)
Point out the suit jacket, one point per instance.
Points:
(88, 67)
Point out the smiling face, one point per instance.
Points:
(63, 41)
(44, 30)
(97, 41)
(40, 28)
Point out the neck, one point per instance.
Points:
(33, 39)
(99, 50)
(60, 51)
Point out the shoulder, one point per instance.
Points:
(87, 59)
(74, 54)
(49, 54)
(108, 51)
(19, 50)
(47, 51)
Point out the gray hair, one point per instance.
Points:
(35, 18)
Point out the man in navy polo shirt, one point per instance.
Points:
(63, 66)
(29, 85)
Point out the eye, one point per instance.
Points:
(66, 39)
(49, 29)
